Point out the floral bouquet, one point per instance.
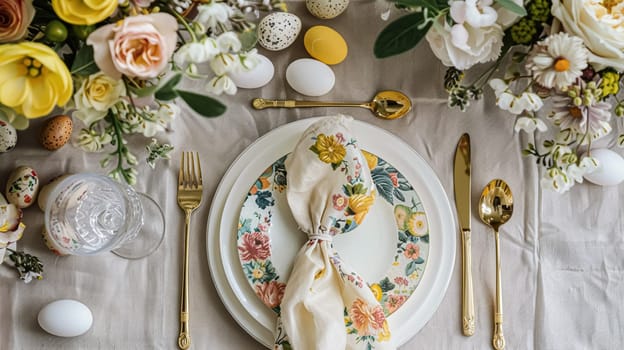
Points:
(562, 62)
(116, 65)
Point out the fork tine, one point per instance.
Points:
(199, 182)
(181, 172)
(188, 169)
(192, 173)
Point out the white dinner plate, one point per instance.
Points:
(236, 293)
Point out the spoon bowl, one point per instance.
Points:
(496, 204)
(390, 104)
(387, 104)
(495, 209)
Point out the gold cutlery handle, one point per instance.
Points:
(498, 340)
(261, 103)
(468, 311)
(184, 339)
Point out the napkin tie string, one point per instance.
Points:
(320, 235)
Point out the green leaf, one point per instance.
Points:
(411, 267)
(248, 39)
(430, 4)
(401, 35)
(621, 140)
(512, 6)
(144, 91)
(167, 91)
(386, 285)
(204, 105)
(83, 63)
(384, 184)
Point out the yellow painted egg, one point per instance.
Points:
(325, 44)
(56, 132)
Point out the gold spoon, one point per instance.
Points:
(495, 209)
(385, 105)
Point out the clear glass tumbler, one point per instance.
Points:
(88, 213)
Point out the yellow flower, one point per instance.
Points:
(84, 12)
(33, 79)
(610, 83)
(384, 334)
(371, 159)
(417, 224)
(377, 292)
(360, 204)
(257, 273)
(329, 149)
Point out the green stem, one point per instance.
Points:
(119, 143)
(186, 25)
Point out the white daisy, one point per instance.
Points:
(587, 117)
(558, 60)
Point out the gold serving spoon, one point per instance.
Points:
(495, 209)
(387, 104)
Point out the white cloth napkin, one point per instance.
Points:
(326, 304)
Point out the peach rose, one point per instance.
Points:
(139, 46)
(271, 293)
(367, 319)
(15, 17)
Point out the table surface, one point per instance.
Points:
(562, 270)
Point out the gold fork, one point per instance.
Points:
(189, 196)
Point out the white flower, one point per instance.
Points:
(91, 141)
(221, 84)
(224, 63)
(506, 17)
(17, 120)
(248, 60)
(557, 180)
(477, 13)
(228, 42)
(506, 100)
(557, 60)
(168, 112)
(192, 52)
(463, 49)
(529, 124)
(210, 46)
(600, 24)
(588, 120)
(214, 13)
(586, 165)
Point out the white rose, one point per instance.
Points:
(600, 27)
(96, 95)
(472, 46)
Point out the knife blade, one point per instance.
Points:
(461, 184)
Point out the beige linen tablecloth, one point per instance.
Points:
(563, 271)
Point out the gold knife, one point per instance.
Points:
(461, 177)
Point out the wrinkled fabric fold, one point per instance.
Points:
(326, 304)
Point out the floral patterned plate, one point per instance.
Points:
(221, 243)
(265, 217)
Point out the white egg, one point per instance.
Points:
(610, 170)
(278, 30)
(258, 76)
(22, 187)
(65, 318)
(8, 137)
(326, 9)
(310, 77)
